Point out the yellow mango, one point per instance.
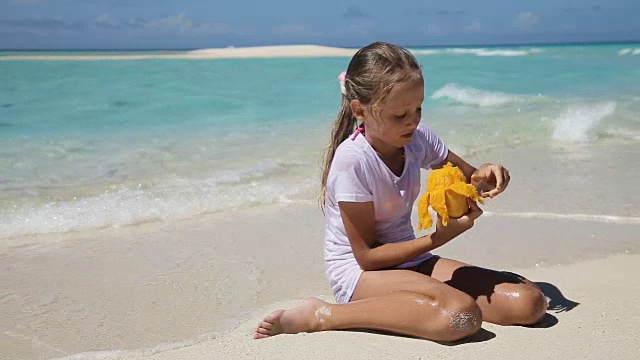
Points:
(447, 193)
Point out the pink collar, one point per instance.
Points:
(359, 130)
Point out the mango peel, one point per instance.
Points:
(447, 193)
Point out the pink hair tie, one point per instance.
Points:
(342, 78)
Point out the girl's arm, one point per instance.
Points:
(358, 218)
(456, 160)
(489, 179)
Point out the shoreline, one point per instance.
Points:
(530, 197)
(277, 51)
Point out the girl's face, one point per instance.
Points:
(393, 123)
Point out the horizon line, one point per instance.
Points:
(509, 44)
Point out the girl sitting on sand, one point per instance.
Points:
(381, 275)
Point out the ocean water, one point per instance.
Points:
(94, 144)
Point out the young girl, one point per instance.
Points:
(381, 275)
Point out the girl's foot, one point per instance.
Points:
(306, 317)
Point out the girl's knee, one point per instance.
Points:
(458, 317)
(530, 305)
(462, 317)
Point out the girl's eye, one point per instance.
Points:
(402, 116)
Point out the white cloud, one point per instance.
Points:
(433, 30)
(475, 26)
(289, 29)
(526, 20)
(178, 23)
(106, 21)
(353, 12)
(362, 27)
(42, 24)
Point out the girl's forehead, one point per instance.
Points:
(406, 94)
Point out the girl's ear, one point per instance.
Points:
(357, 109)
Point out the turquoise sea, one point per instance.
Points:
(93, 144)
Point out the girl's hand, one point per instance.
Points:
(455, 227)
(490, 179)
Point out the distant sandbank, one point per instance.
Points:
(280, 51)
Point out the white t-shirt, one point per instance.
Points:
(357, 174)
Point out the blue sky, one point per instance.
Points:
(126, 24)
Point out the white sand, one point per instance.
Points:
(138, 287)
(273, 51)
(604, 324)
(593, 315)
(282, 51)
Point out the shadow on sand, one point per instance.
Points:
(481, 336)
(558, 303)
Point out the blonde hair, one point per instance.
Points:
(372, 73)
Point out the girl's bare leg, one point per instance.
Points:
(399, 301)
(503, 298)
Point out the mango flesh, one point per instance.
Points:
(456, 204)
(447, 193)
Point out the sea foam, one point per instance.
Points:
(629, 51)
(262, 184)
(493, 52)
(579, 121)
(478, 52)
(477, 97)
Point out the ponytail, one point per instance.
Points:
(345, 124)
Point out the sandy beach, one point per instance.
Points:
(281, 51)
(588, 324)
(195, 289)
(168, 292)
